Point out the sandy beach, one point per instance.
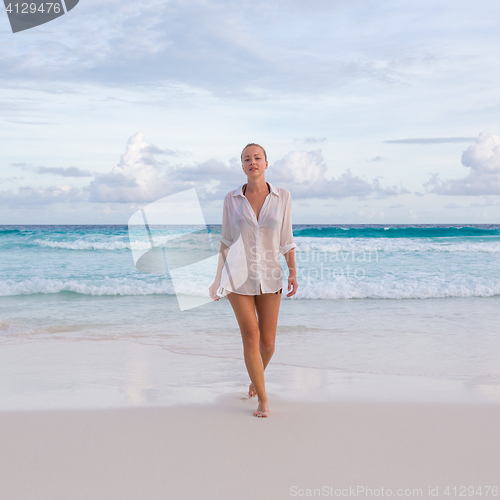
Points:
(120, 420)
(220, 451)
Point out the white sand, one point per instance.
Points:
(221, 451)
(96, 374)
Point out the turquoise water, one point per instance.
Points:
(334, 262)
(397, 231)
(397, 300)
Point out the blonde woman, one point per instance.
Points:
(256, 227)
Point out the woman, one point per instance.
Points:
(256, 227)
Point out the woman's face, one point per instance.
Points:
(254, 163)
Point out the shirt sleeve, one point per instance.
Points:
(286, 237)
(226, 225)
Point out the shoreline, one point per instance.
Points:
(92, 374)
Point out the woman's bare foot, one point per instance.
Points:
(251, 391)
(262, 409)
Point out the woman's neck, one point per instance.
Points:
(255, 186)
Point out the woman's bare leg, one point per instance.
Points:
(268, 308)
(244, 310)
(258, 335)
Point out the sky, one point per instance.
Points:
(370, 112)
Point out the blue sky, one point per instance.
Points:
(370, 112)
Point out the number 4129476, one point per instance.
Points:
(32, 8)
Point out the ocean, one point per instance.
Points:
(389, 311)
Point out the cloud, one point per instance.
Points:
(176, 42)
(152, 149)
(65, 172)
(431, 140)
(314, 140)
(136, 178)
(376, 158)
(33, 196)
(487, 203)
(140, 178)
(483, 159)
(24, 122)
(10, 179)
(303, 173)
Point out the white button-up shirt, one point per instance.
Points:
(252, 261)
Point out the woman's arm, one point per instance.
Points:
(292, 272)
(222, 260)
(224, 248)
(287, 247)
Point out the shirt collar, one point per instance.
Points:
(239, 191)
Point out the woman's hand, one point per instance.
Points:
(292, 283)
(213, 290)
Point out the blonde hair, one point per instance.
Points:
(253, 144)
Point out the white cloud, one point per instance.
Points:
(313, 140)
(64, 171)
(140, 178)
(483, 159)
(33, 196)
(431, 140)
(256, 48)
(136, 178)
(303, 173)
